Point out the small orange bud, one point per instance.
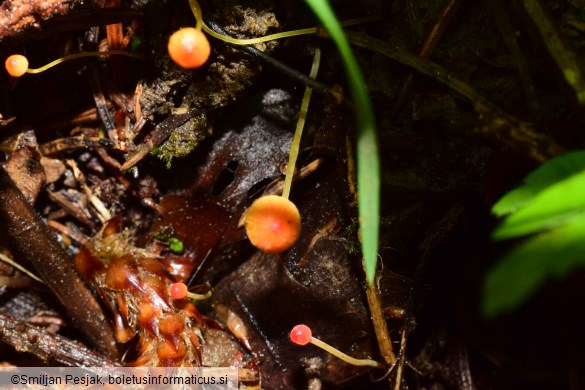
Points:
(179, 290)
(189, 48)
(273, 224)
(301, 335)
(16, 65)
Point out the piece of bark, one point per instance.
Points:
(26, 172)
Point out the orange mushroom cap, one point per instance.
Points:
(189, 48)
(16, 65)
(178, 290)
(301, 334)
(273, 224)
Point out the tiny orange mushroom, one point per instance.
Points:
(189, 48)
(302, 335)
(178, 290)
(16, 65)
(273, 224)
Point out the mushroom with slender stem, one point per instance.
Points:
(180, 291)
(17, 65)
(302, 335)
(273, 223)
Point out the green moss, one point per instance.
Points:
(175, 245)
(183, 140)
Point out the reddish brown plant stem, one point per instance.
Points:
(380, 327)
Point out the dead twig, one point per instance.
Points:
(64, 230)
(429, 45)
(59, 145)
(158, 135)
(31, 239)
(49, 347)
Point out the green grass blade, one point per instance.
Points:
(368, 160)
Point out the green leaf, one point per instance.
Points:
(368, 160)
(523, 270)
(550, 208)
(551, 172)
